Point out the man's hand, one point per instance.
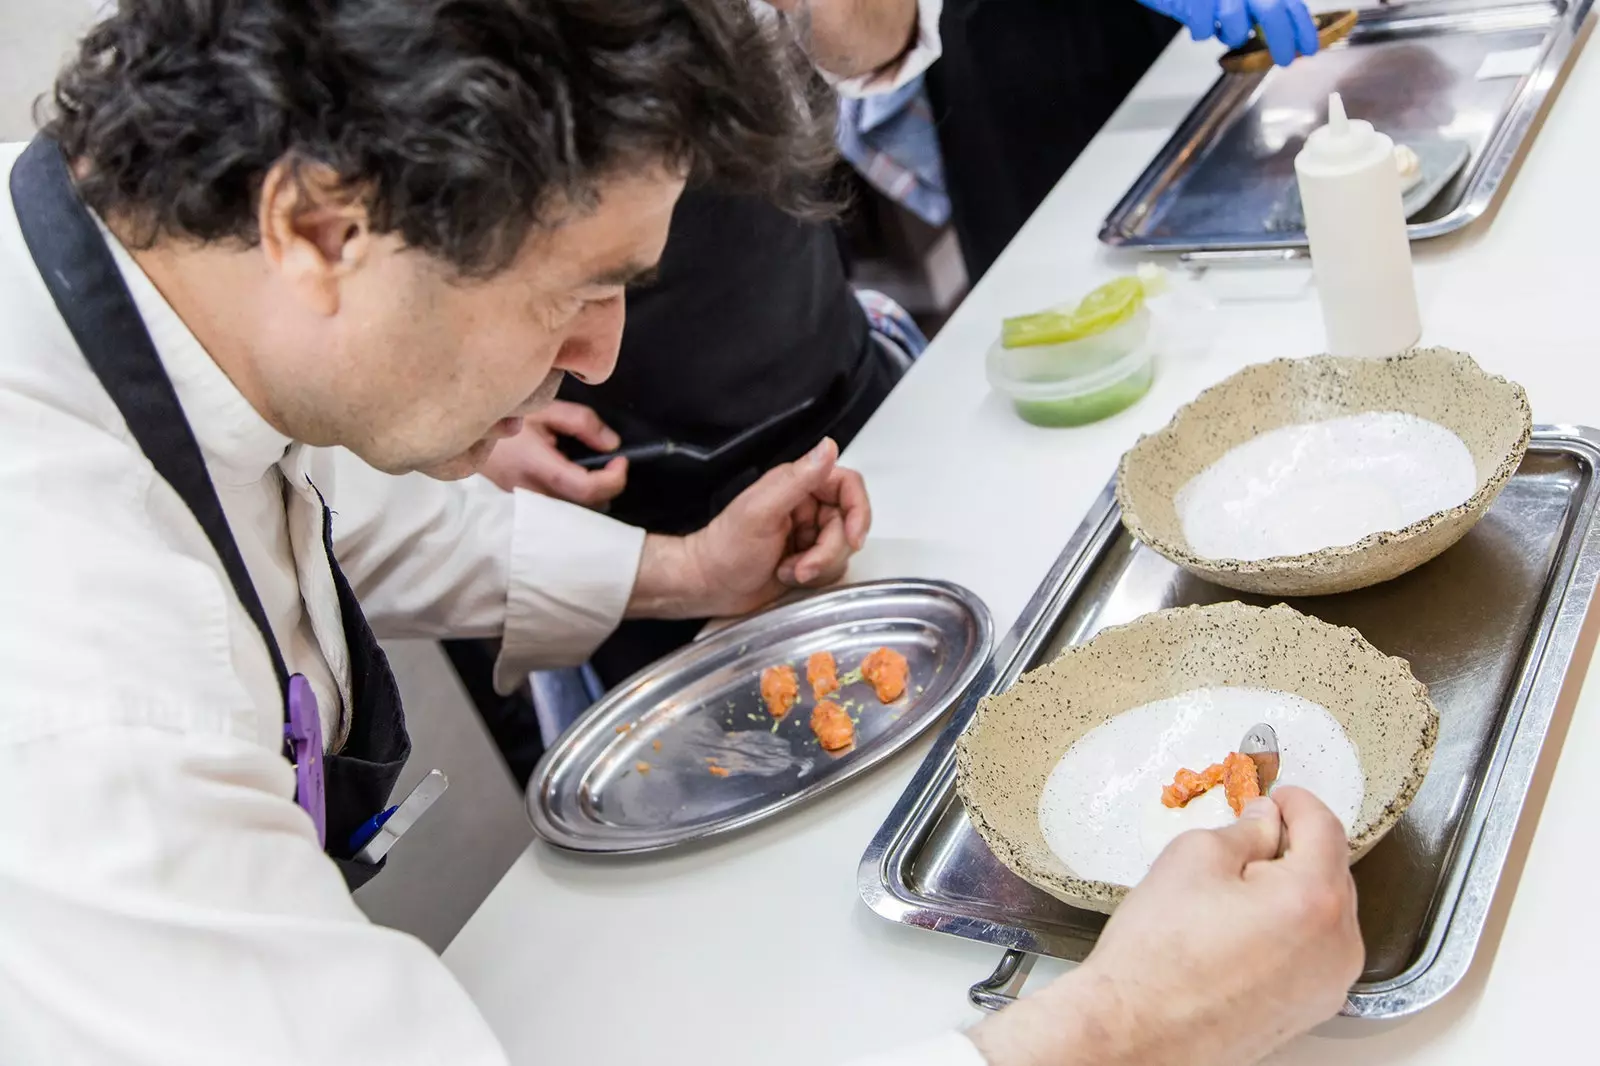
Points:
(850, 38)
(531, 460)
(795, 528)
(1222, 954)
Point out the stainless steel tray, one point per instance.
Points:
(634, 773)
(1491, 626)
(1412, 69)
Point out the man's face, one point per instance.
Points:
(417, 369)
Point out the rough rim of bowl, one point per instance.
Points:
(1288, 564)
(1104, 896)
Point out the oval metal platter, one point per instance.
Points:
(686, 749)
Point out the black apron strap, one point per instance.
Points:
(363, 775)
(88, 290)
(77, 267)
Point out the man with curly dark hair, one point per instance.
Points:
(263, 257)
(270, 260)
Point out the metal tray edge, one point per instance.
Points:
(556, 837)
(931, 777)
(1499, 154)
(1434, 977)
(1563, 620)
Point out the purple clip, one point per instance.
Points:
(303, 731)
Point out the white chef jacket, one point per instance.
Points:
(163, 899)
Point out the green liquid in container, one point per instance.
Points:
(1092, 406)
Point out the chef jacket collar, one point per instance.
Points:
(239, 445)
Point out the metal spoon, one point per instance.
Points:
(666, 449)
(1261, 744)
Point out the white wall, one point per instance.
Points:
(34, 37)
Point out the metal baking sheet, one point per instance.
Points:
(1456, 72)
(1440, 161)
(634, 773)
(1491, 627)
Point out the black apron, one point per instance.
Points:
(78, 269)
(751, 316)
(1020, 90)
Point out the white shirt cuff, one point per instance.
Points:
(572, 572)
(925, 48)
(951, 1049)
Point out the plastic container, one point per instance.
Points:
(1356, 226)
(1078, 382)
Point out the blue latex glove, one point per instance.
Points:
(1286, 24)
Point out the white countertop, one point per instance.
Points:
(758, 949)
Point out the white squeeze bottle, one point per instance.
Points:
(1350, 189)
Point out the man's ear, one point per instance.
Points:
(314, 232)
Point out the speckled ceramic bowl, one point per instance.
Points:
(1489, 414)
(1017, 737)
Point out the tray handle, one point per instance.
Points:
(1001, 988)
(1242, 256)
